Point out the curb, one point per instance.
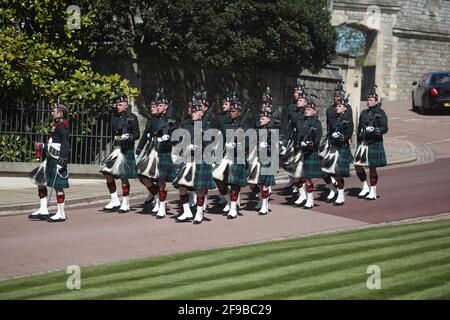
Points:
(17, 209)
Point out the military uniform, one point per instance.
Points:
(195, 174)
(121, 163)
(373, 123)
(343, 124)
(258, 179)
(53, 170)
(337, 156)
(310, 133)
(143, 155)
(232, 170)
(237, 174)
(375, 117)
(122, 124)
(202, 178)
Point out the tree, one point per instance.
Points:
(283, 35)
(41, 58)
(353, 42)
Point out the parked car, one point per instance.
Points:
(431, 93)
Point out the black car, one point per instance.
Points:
(431, 92)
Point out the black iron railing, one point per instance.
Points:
(90, 137)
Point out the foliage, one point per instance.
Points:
(284, 35)
(14, 147)
(40, 57)
(353, 42)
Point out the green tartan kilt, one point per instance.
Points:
(61, 181)
(203, 177)
(129, 166)
(238, 175)
(344, 160)
(311, 166)
(376, 154)
(166, 167)
(266, 180)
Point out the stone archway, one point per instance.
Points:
(368, 67)
(377, 23)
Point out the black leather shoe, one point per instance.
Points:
(197, 221)
(363, 196)
(55, 220)
(231, 217)
(301, 204)
(123, 211)
(329, 200)
(37, 216)
(184, 220)
(113, 209)
(370, 199)
(338, 204)
(262, 213)
(307, 208)
(160, 217)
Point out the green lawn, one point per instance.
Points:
(414, 260)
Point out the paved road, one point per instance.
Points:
(430, 131)
(91, 236)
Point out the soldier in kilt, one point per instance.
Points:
(373, 123)
(121, 163)
(264, 181)
(161, 135)
(143, 146)
(53, 170)
(298, 119)
(235, 175)
(340, 130)
(222, 119)
(309, 143)
(330, 112)
(288, 124)
(201, 181)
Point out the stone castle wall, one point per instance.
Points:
(412, 38)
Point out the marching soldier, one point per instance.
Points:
(310, 146)
(287, 125)
(294, 113)
(121, 163)
(232, 172)
(196, 174)
(294, 168)
(223, 119)
(161, 136)
(53, 170)
(336, 162)
(142, 152)
(339, 95)
(373, 124)
(187, 119)
(309, 133)
(256, 179)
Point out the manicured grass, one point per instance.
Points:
(414, 260)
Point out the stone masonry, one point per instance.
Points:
(407, 38)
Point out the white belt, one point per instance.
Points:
(54, 149)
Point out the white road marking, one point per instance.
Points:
(395, 118)
(411, 120)
(438, 141)
(399, 137)
(431, 120)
